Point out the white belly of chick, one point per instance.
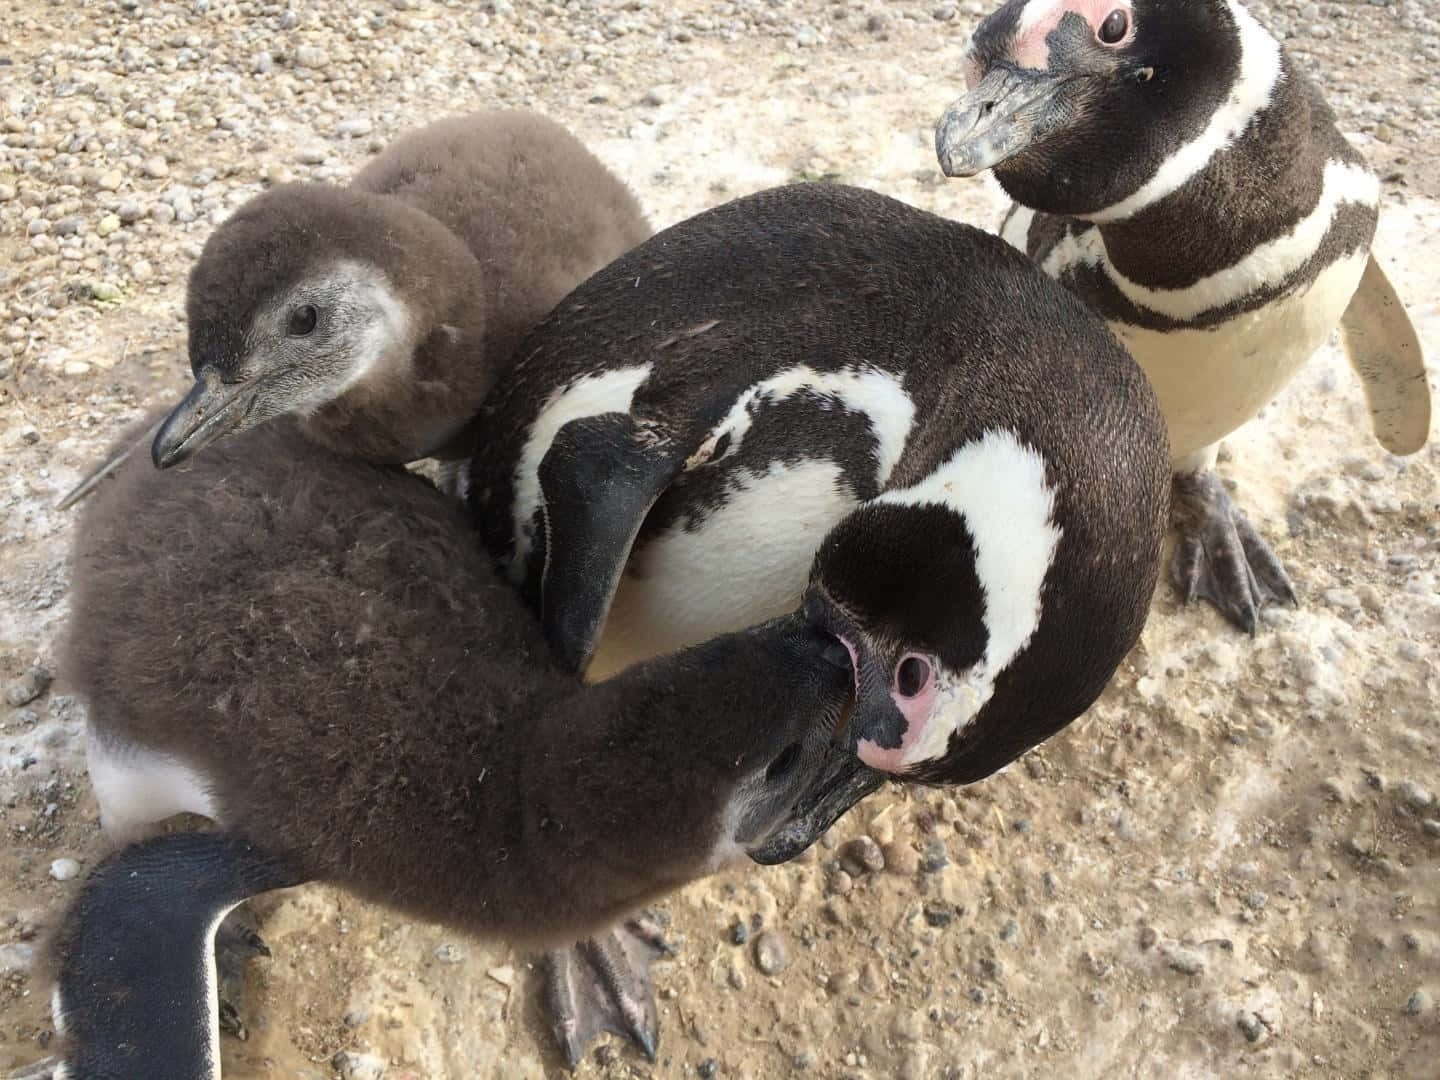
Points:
(1211, 381)
(747, 562)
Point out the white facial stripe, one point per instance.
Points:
(877, 394)
(589, 395)
(1254, 87)
(998, 485)
(57, 1012)
(1272, 261)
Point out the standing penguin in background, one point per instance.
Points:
(380, 313)
(817, 398)
(1170, 165)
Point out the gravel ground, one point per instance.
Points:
(1229, 867)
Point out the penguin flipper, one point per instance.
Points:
(598, 481)
(137, 988)
(1385, 352)
(603, 984)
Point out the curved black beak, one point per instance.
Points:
(842, 783)
(212, 410)
(1009, 110)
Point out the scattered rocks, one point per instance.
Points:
(840, 883)
(108, 224)
(772, 955)
(64, 869)
(1418, 1002)
(142, 270)
(27, 687)
(155, 168)
(354, 127)
(110, 180)
(1250, 1026)
(104, 291)
(16, 958)
(739, 932)
(311, 155)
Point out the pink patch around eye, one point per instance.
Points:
(1041, 16)
(916, 711)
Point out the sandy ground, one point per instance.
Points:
(1228, 867)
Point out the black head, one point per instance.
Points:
(737, 745)
(976, 630)
(300, 295)
(1078, 105)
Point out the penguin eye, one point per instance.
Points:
(1113, 29)
(912, 675)
(302, 320)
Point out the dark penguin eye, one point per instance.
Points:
(1114, 27)
(302, 320)
(911, 675)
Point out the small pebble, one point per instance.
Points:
(37, 226)
(142, 271)
(155, 168)
(76, 367)
(708, 1069)
(64, 869)
(104, 290)
(841, 883)
(108, 224)
(262, 63)
(1186, 962)
(68, 226)
(355, 1066)
(1413, 795)
(354, 127)
(310, 56)
(901, 859)
(1431, 826)
(110, 180)
(7, 192)
(1250, 1025)
(771, 954)
(450, 954)
(162, 213)
(862, 856)
(739, 932)
(938, 915)
(27, 687)
(311, 155)
(1419, 1002)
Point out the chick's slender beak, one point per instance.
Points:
(211, 410)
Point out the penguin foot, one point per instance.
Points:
(603, 984)
(236, 943)
(1220, 557)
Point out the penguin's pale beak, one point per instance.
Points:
(1007, 111)
(843, 781)
(212, 410)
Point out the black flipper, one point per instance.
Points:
(136, 994)
(598, 480)
(1220, 557)
(603, 984)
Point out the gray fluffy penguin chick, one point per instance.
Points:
(379, 313)
(314, 652)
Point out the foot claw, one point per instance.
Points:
(1220, 557)
(235, 944)
(603, 984)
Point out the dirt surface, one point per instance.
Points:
(1229, 867)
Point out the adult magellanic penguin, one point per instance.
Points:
(819, 398)
(313, 652)
(379, 313)
(1172, 166)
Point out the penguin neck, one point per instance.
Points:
(1250, 192)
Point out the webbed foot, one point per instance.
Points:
(603, 984)
(1219, 556)
(236, 943)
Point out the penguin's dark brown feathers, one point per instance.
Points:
(322, 640)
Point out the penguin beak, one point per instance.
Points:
(212, 410)
(843, 781)
(1008, 111)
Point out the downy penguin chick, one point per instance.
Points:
(1172, 166)
(380, 313)
(312, 651)
(819, 398)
